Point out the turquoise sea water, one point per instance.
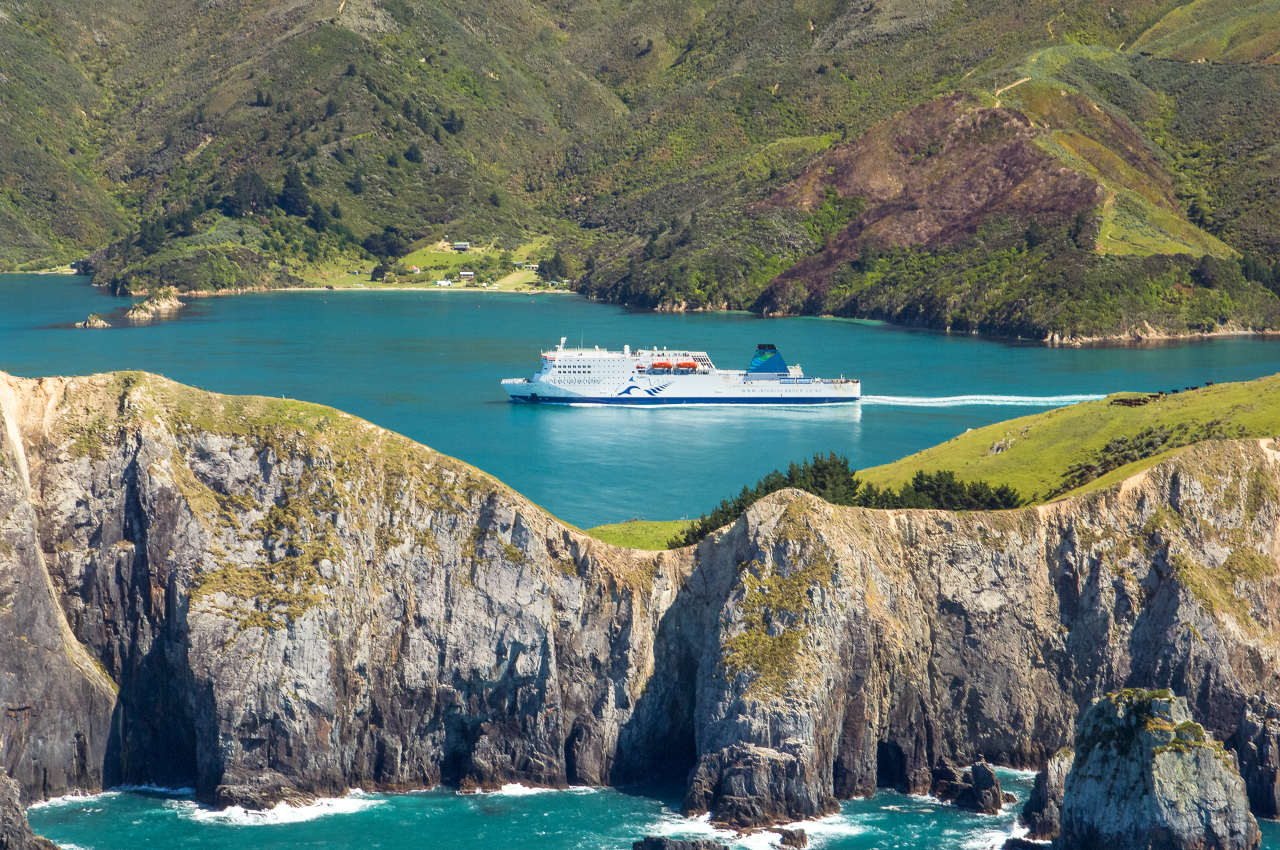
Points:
(428, 365)
(579, 819)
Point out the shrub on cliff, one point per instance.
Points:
(830, 478)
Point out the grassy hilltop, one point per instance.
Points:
(1060, 452)
(1048, 168)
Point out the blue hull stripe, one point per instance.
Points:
(674, 402)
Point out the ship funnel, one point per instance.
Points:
(767, 360)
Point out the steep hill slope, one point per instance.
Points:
(271, 600)
(254, 142)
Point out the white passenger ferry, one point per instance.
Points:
(650, 377)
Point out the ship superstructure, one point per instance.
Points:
(656, 376)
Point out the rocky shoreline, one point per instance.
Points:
(172, 556)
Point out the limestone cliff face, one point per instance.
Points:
(1146, 775)
(268, 600)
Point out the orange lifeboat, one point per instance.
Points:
(686, 364)
(662, 364)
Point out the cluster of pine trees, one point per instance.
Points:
(830, 478)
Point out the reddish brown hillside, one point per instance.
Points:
(932, 174)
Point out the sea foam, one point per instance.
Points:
(77, 799)
(283, 813)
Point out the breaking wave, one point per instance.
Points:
(283, 813)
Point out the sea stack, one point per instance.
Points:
(1147, 775)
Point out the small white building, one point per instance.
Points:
(444, 283)
(462, 246)
(466, 275)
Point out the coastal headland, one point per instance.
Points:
(175, 555)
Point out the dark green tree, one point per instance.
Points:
(413, 154)
(320, 220)
(294, 198)
(249, 193)
(151, 236)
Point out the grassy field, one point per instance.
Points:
(640, 534)
(1032, 453)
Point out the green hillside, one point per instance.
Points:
(1047, 456)
(1035, 454)
(661, 147)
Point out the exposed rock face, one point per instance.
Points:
(1146, 775)
(1042, 813)
(653, 842)
(163, 301)
(791, 837)
(293, 602)
(1258, 751)
(977, 789)
(94, 321)
(15, 832)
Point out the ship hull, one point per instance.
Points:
(699, 390)
(663, 378)
(673, 402)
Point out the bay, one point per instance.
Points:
(428, 365)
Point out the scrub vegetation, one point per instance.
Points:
(1051, 169)
(830, 478)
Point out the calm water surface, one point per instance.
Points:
(428, 365)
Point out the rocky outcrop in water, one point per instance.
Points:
(94, 321)
(653, 842)
(268, 600)
(1258, 751)
(1146, 775)
(1042, 813)
(164, 300)
(15, 831)
(976, 789)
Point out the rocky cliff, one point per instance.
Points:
(269, 600)
(1042, 813)
(1147, 775)
(1257, 746)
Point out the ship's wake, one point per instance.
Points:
(978, 400)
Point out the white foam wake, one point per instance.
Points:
(283, 813)
(974, 400)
